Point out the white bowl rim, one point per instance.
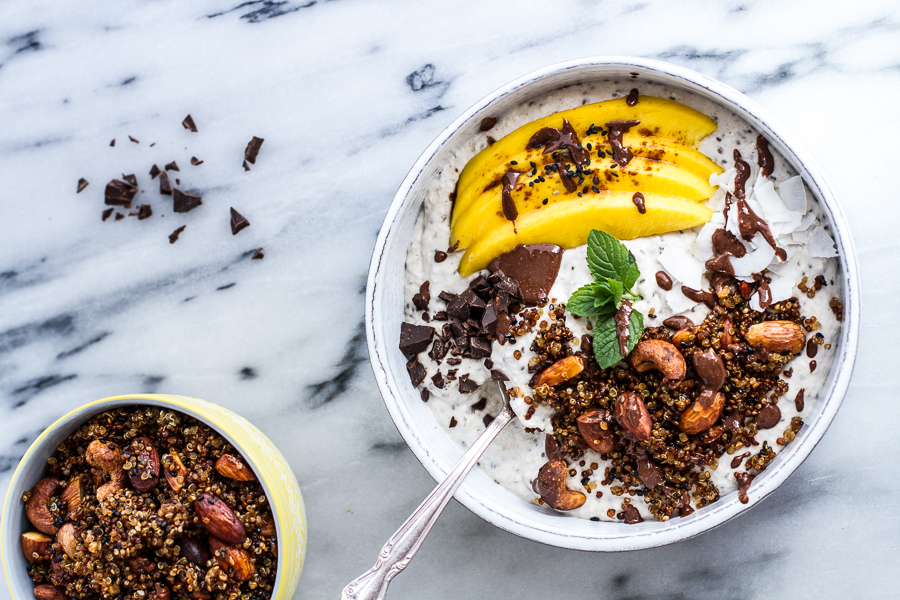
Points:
(728, 507)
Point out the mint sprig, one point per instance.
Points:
(615, 271)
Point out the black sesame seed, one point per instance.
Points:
(513, 162)
(596, 181)
(545, 201)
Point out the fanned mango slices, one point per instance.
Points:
(641, 174)
(567, 223)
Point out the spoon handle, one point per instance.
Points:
(403, 545)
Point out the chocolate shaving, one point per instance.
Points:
(196, 161)
(154, 171)
(479, 406)
(188, 124)
(120, 193)
(107, 213)
(533, 267)
(130, 180)
(238, 221)
(173, 237)
(252, 150)
(487, 123)
(552, 139)
(438, 380)
(487, 420)
(165, 186)
(416, 371)
(172, 166)
(246, 166)
(258, 255)
(144, 212)
(453, 421)
(82, 183)
(113, 143)
(479, 347)
(133, 140)
(182, 203)
(764, 156)
(617, 129)
(119, 216)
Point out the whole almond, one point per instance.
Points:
(45, 591)
(36, 546)
(145, 474)
(560, 371)
(234, 468)
(633, 416)
(698, 417)
(594, 429)
(777, 336)
(219, 520)
(73, 495)
(194, 550)
(232, 559)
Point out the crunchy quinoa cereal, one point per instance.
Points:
(146, 503)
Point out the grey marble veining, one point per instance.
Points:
(347, 94)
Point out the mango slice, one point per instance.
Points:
(567, 223)
(659, 118)
(641, 174)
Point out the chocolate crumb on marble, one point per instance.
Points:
(154, 171)
(246, 166)
(165, 186)
(133, 140)
(173, 237)
(82, 183)
(258, 254)
(196, 161)
(238, 222)
(182, 202)
(113, 143)
(119, 216)
(172, 166)
(120, 193)
(107, 213)
(188, 124)
(252, 150)
(144, 212)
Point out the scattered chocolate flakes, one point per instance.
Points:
(252, 150)
(440, 256)
(82, 183)
(130, 180)
(133, 140)
(188, 124)
(113, 143)
(173, 237)
(144, 212)
(416, 371)
(119, 216)
(420, 300)
(498, 375)
(415, 338)
(258, 255)
(487, 420)
(107, 213)
(487, 123)
(165, 186)
(153, 144)
(120, 193)
(172, 166)
(479, 347)
(182, 203)
(480, 405)
(453, 421)
(246, 166)
(196, 161)
(238, 222)
(154, 171)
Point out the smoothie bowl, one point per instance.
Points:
(657, 272)
(153, 496)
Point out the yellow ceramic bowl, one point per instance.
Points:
(271, 468)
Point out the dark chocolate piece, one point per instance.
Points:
(196, 161)
(438, 380)
(480, 347)
(416, 371)
(119, 216)
(420, 300)
(172, 166)
(165, 186)
(631, 99)
(238, 222)
(440, 256)
(252, 150)
(487, 419)
(130, 179)
(113, 143)
(154, 171)
(133, 140)
(183, 203)
(120, 193)
(173, 237)
(415, 338)
(617, 129)
(425, 394)
(82, 183)
(258, 255)
(480, 405)
(107, 213)
(534, 268)
(453, 421)
(144, 212)
(458, 308)
(440, 315)
(487, 123)
(246, 166)
(188, 124)
(438, 350)
(466, 385)
(498, 375)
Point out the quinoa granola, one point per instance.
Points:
(147, 503)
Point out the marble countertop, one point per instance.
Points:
(347, 94)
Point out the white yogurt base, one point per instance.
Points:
(515, 457)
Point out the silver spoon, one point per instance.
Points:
(403, 545)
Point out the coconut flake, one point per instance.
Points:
(781, 287)
(723, 180)
(683, 267)
(703, 249)
(678, 302)
(820, 244)
(793, 194)
(756, 261)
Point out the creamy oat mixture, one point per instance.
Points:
(516, 456)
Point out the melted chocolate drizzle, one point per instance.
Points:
(707, 298)
(617, 129)
(743, 174)
(765, 294)
(764, 156)
(552, 139)
(623, 315)
(663, 280)
(638, 200)
(749, 224)
(567, 181)
(632, 98)
(510, 178)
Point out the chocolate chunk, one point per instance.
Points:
(415, 338)
(481, 286)
(454, 361)
(173, 237)
(632, 515)
(487, 123)
(487, 420)
(453, 421)
(490, 140)
(425, 394)
(481, 348)
(119, 216)
(420, 300)
(188, 124)
(438, 350)
(182, 203)
(476, 304)
(440, 315)
(130, 180)
(503, 282)
(154, 171)
(196, 161)
(440, 256)
(172, 166)
(534, 268)
(246, 166)
(489, 320)
(466, 385)
(648, 472)
(120, 193)
(488, 363)
(426, 317)
(416, 371)
(451, 374)
(768, 417)
(113, 143)
(458, 330)
(258, 255)
(498, 375)
(165, 186)
(133, 140)
(480, 405)
(177, 182)
(446, 296)
(144, 212)
(438, 380)
(238, 222)
(107, 213)
(82, 183)
(458, 308)
(252, 150)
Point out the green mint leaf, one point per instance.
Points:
(584, 302)
(606, 344)
(608, 258)
(609, 292)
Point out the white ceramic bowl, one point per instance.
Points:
(417, 425)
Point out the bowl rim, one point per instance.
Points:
(79, 416)
(830, 398)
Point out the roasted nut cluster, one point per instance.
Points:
(144, 503)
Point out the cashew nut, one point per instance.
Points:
(551, 486)
(108, 457)
(659, 355)
(37, 509)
